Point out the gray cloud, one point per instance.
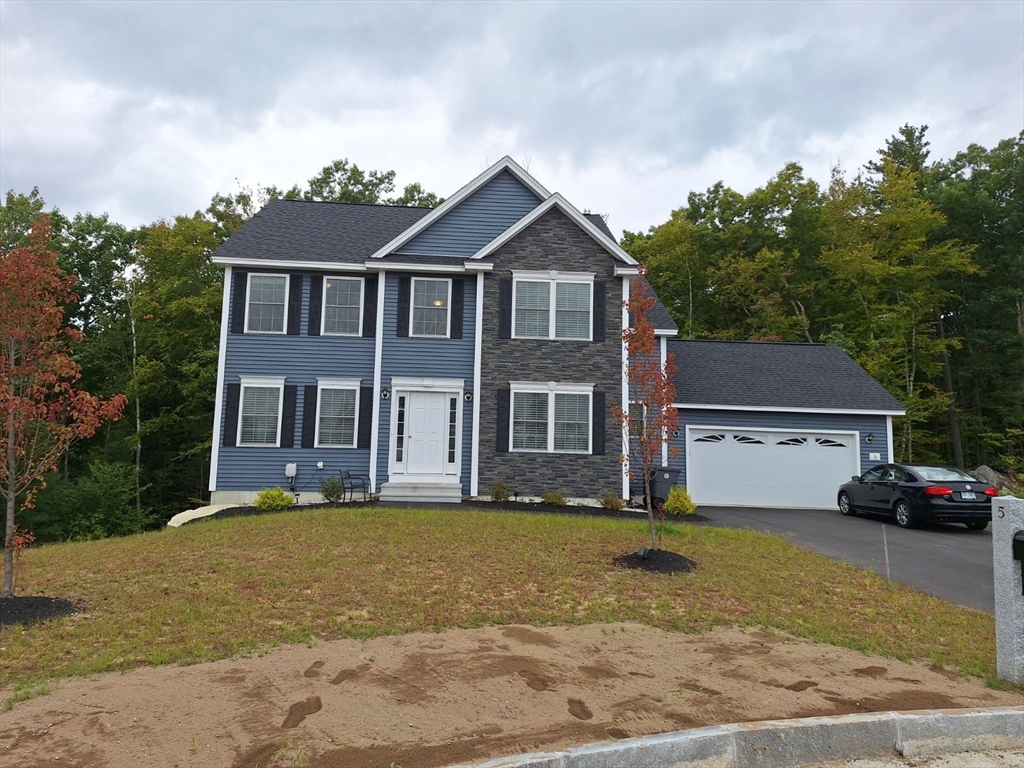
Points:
(146, 109)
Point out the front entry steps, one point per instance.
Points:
(412, 493)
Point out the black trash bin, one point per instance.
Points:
(662, 480)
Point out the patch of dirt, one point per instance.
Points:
(33, 610)
(429, 700)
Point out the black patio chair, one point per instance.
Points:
(352, 482)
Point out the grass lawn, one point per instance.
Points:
(220, 588)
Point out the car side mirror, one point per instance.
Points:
(857, 478)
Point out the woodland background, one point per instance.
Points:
(914, 266)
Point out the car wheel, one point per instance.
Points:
(904, 517)
(977, 525)
(845, 507)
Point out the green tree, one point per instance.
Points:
(880, 251)
(981, 195)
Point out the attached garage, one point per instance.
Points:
(766, 424)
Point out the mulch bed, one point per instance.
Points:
(33, 610)
(630, 513)
(657, 561)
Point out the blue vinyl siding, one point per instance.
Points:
(865, 424)
(441, 358)
(477, 220)
(301, 360)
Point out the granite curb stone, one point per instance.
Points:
(796, 742)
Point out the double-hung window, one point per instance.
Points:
(431, 307)
(265, 303)
(551, 418)
(259, 422)
(343, 306)
(552, 305)
(336, 416)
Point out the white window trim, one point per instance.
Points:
(321, 385)
(287, 293)
(553, 278)
(412, 307)
(323, 305)
(252, 382)
(552, 388)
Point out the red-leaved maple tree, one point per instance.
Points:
(42, 412)
(651, 395)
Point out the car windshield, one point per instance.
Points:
(942, 474)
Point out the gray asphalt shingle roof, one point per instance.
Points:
(302, 230)
(659, 315)
(299, 230)
(775, 375)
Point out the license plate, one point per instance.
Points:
(968, 495)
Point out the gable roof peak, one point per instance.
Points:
(505, 164)
(555, 200)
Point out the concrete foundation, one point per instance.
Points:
(1008, 519)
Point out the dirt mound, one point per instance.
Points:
(429, 700)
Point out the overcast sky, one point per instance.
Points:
(144, 110)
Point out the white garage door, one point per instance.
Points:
(768, 468)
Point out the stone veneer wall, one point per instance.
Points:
(552, 242)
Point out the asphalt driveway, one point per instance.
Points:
(946, 561)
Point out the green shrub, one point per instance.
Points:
(554, 498)
(679, 502)
(501, 492)
(332, 489)
(613, 502)
(273, 500)
(89, 506)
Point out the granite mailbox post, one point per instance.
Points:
(1007, 561)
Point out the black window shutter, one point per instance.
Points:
(458, 306)
(316, 304)
(404, 303)
(288, 416)
(505, 308)
(599, 417)
(365, 417)
(309, 396)
(600, 321)
(240, 278)
(231, 414)
(294, 305)
(503, 415)
(370, 307)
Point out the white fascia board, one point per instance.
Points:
(506, 163)
(478, 266)
(665, 332)
(218, 400)
(569, 210)
(785, 409)
(623, 271)
(331, 266)
(394, 266)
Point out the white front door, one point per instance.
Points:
(427, 429)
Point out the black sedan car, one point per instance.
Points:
(914, 493)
